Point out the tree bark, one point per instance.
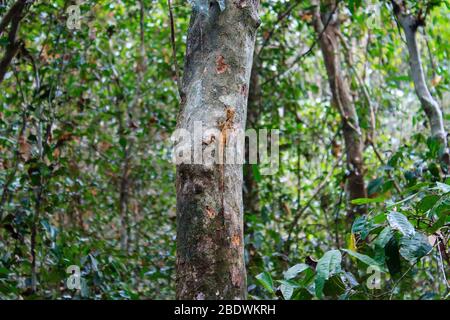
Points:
(410, 24)
(218, 62)
(326, 23)
(12, 18)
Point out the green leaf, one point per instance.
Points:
(287, 291)
(359, 224)
(442, 207)
(415, 247)
(383, 237)
(266, 281)
(256, 172)
(427, 203)
(392, 257)
(327, 266)
(399, 222)
(293, 271)
(361, 201)
(438, 224)
(287, 288)
(443, 187)
(434, 145)
(375, 185)
(334, 287)
(362, 226)
(380, 218)
(363, 258)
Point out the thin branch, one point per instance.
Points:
(319, 188)
(13, 13)
(12, 48)
(174, 50)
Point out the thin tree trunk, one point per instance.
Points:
(327, 27)
(410, 24)
(11, 18)
(218, 62)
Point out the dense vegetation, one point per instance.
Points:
(86, 176)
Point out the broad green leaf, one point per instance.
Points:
(438, 224)
(399, 222)
(363, 258)
(293, 271)
(327, 266)
(363, 227)
(384, 237)
(443, 187)
(266, 281)
(287, 288)
(359, 224)
(415, 247)
(287, 291)
(427, 202)
(375, 185)
(368, 200)
(379, 218)
(441, 207)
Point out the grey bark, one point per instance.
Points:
(218, 62)
(410, 23)
(326, 23)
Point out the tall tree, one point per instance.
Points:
(218, 63)
(326, 24)
(410, 23)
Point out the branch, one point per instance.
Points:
(174, 50)
(410, 24)
(313, 196)
(12, 17)
(13, 13)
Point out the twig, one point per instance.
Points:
(308, 203)
(174, 50)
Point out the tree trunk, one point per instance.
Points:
(409, 24)
(218, 62)
(326, 23)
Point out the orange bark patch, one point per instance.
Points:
(221, 66)
(210, 212)
(236, 240)
(24, 148)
